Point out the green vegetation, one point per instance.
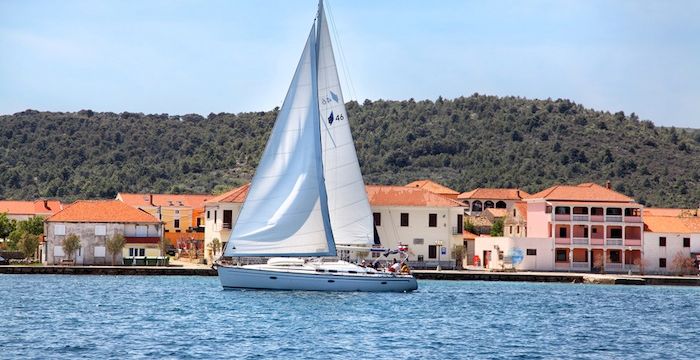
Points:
(28, 244)
(70, 245)
(497, 227)
(114, 245)
(468, 142)
(21, 235)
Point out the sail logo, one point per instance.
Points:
(333, 118)
(333, 96)
(327, 100)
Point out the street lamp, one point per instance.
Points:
(438, 244)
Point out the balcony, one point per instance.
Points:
(226, 225)
(613, 267)
(142, 240)
(561, 240)
(613, 218)
(633, 219)
(597, 241)
(561, 265)
(613, 242)
(456, 231)
(597, 218)
(580, 217)
(580, 241)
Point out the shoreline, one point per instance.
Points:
(450, 275)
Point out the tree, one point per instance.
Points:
(497, 227)
(469, 226)
(34, 225)
(70, 245)
(13, 239)
(28, 244)
(216, 245)
(7, 226)
(683, 264)
(115, 244)
(458, 253)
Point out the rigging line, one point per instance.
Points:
(343, 62)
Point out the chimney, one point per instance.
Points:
(150, 199)
(46, 204)
(607, 184)
(517, 194)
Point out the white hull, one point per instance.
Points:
(271, 278)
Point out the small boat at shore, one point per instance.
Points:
(308, 195)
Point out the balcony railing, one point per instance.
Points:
(562, 217)
(561, 266)
(562, 241)
(613, 218)
(613, 242)
(633, 242)
(613, 266)
(455, 231)
(580, 265)
(597, 218)
(580, 217)
(597, 241)
(580, 241)
(633, 219)
(226, 225)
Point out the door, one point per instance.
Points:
(487, 258)
(79, 255)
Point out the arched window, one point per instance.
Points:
(488, 204)
(466, 203)
(476, 206)
(500, 205)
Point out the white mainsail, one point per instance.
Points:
(350, 213)
(307, 193)
(285, 211)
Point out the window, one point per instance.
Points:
(228, 219)
(500, 205)
(199, 222)
(59, 230)
(517, 229)
(137, 252)
(432, 220)
(562, 210)
(100, 230)
(460, 223)
(613, 211)
(176, 223)
(548, 209)
(562, 232)
(214, 216)
(510, 229)
(633, 212)
(662, 241)
(208, 214)
(100, 251)
(488, 204)
(377, 219)
(686, 242)
(476, 206)
(417, 241)
(562, 255)
(615, 256)
(513, 212)
(177, 212)
(616, 233)
(404, 219)
(420, 257)
(532, 252)
(432, 251)
(597, 211)
(58, 251)
(662, 262)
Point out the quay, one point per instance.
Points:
(455, 275)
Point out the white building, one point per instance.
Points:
(429, 224)
(220, 214)
(496, 253)
(671, 237)
(95, 221)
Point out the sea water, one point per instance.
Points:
(119, 317)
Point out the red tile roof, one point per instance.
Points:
(434, 187)
(102, 211)
(493, 194)
(236, 195)
(670, 212)
(38, 207)
(671, 224)
(194, 201)
(581, 192)
(383, 195)
(497, 213)
(466, 234)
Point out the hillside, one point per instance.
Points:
(468, 142)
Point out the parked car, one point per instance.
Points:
(170, 250)
(3, 261)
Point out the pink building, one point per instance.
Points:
(593, 227)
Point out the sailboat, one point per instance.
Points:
(307, 197)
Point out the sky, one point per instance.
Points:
(182, 56)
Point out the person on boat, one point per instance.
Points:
(405, 269)
(394, 267)
(363, 263)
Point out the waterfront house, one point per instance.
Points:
(221, 213)
(182, 215)
(515, 222)
(94, 221)
(479, 199)
(593, 227)
(434, 188)
(430, 225)
(23, 210)
(671, 238)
